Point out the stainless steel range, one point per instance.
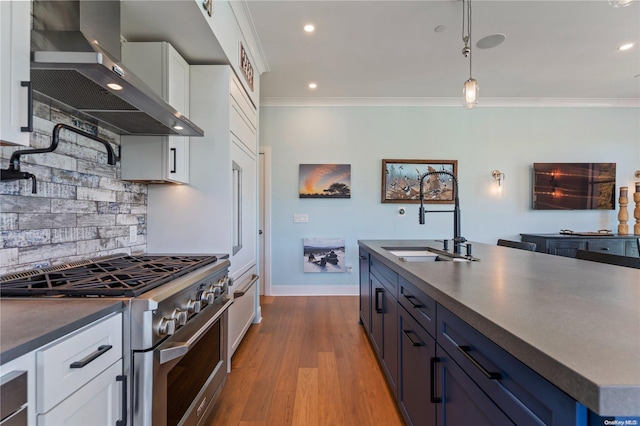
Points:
(176, 338)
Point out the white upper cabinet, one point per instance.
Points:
(158, 159)
(15, 36)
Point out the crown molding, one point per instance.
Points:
(248, 29)
(450, 102)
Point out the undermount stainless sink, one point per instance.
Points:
(423, 254)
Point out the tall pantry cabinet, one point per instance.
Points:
(217, 211)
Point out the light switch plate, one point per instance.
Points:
(300, 218)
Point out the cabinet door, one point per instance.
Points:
(632, 247)
(177, 163)
(567, 248)
(365, 291)
(390, 340)
(384, 329)
(15, 29)
(244, 209)
(97, 403)
(462, 402)
(416, 350)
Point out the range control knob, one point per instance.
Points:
(166, 327)
(207, 297)
(193, 306)
(216, 291)
(180, 316)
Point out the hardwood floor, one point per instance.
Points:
(308, 363)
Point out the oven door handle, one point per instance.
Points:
(178, 349)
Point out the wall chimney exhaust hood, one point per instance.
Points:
(75, 53)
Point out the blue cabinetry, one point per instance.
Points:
(384, 318)
(523, 395)
(365, 291)
(416, 387)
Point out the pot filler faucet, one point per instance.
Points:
(13, 171)
(457, 238)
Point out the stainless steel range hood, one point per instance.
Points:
(76, 50)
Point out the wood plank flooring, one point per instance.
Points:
(308, 363)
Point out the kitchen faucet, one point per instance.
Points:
(13, 171)
(457, 238)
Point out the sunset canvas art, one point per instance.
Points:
(325, 181)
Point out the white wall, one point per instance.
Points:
(483, 139)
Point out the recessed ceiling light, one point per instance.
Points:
(309, 28)
(312, 85)
(490, 41)
(440, 28)
(626, 46)
(114, 86)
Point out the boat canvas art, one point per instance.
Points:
(325, 181)
(323, 255)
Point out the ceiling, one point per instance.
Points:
(554, 50)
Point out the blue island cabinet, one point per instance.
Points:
(493, 378)
(384, 319)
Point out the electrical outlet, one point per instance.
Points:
(300, 218)
(133, 233)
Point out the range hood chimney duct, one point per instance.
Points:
(75, 61)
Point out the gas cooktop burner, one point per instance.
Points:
(110, 276)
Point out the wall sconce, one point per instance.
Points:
(499, 177)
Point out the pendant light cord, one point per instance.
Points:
(466, 29)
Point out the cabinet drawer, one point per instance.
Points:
(607, 246)
(56, 379)
(525, 396)
(418, 304)
(387, 277)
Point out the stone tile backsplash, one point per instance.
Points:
(81, 210)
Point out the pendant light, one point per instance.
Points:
(470, 91)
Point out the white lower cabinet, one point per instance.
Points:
(96, 403)
(78, 377)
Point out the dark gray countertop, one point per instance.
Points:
(27, 324)
(574, 322)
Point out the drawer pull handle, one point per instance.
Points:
(413, 342)
(378, 305)
(173, 154)
(29, 127)
(488, 374)
(413, 304)
(92, 356)
(432, 391)
(605, 248)
(123, 422)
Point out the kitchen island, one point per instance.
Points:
(574, 323)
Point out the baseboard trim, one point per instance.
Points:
(315, 290)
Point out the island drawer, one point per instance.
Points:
(525, 396)
(387, 277)
(69, 363)
(418, 304)
(607, 246)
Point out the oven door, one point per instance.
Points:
(175, 383)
